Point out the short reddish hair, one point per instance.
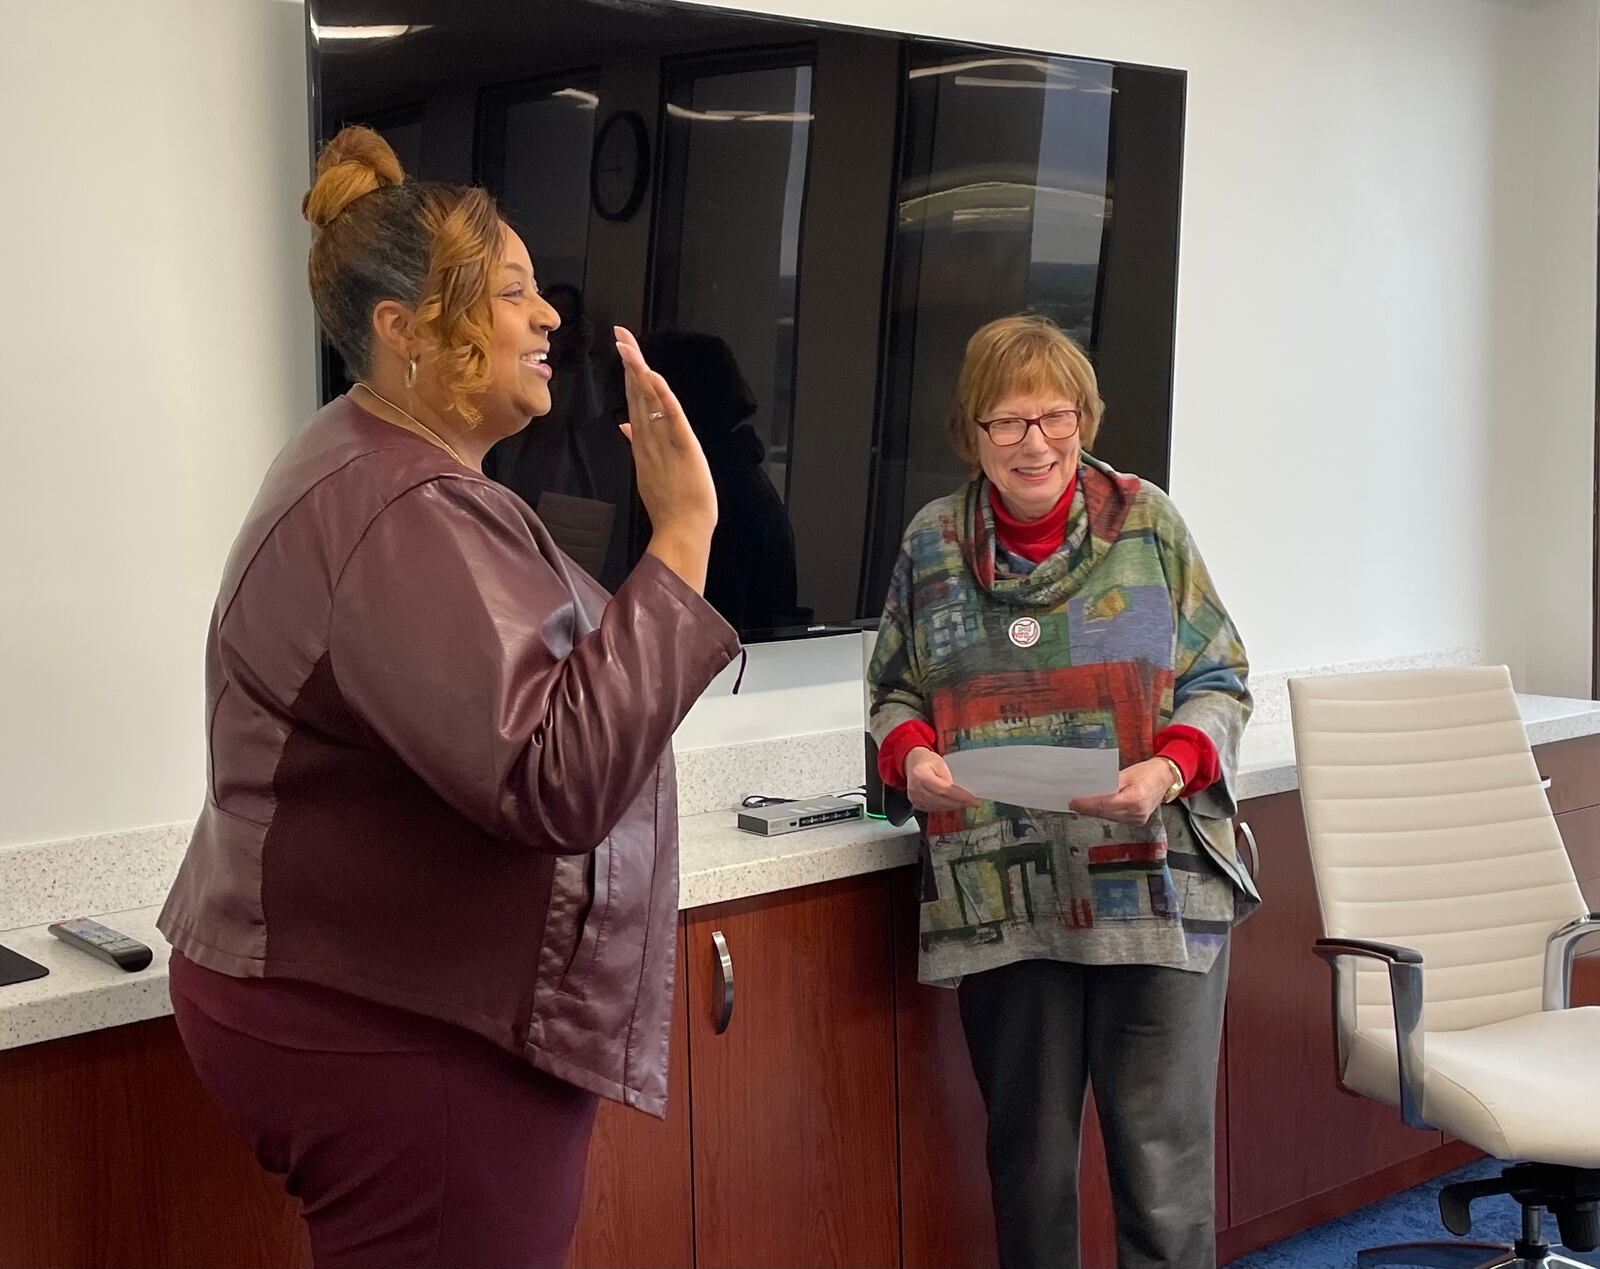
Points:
(1021, 354)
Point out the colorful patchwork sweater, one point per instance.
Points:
(1104, 643)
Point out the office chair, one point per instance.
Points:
(1452, 916)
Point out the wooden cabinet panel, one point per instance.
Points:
(113, 1155)
(1318, 1209)
(1580, 830)
(946, 1210)
(638, 1202)
(1097, 1222)
(1586, 981)
(794, 1105)
(1296, 1132)
(1224, 1144)
(1573, 769)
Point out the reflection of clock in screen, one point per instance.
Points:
(619, 170)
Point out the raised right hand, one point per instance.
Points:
(931, 787)
(674, 479)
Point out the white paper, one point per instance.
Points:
(1041, 777)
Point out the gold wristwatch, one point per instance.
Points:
(1176, 787)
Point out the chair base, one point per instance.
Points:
(1459, 1255)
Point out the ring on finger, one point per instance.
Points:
(658, 414)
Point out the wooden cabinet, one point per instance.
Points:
(114, 1156)
(1295, 1132)
(1580, 830)
(835, 1121)
(1573, 769)
(794, 1103)
(946, 1214)
(638, 1200)
(111, 1154)
(1097, 1221)
(1586, 981)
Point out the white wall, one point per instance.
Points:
(157, 341)
(1384, 399)
(1544, 422)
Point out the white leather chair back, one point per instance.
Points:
(1429, 828)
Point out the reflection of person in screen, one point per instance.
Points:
(751, 579)
(573, 469)
(551, 456)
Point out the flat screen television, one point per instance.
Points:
(804, 224)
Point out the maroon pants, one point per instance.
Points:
(407, 1142)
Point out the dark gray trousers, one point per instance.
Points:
(1146, 1039)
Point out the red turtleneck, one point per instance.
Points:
(1035, 541)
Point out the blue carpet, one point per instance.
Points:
(1408, 1217)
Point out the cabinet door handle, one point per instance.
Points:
(1243, 830)
(719, 948)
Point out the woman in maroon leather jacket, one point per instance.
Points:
(428, 913)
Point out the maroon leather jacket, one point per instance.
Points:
(440, 770)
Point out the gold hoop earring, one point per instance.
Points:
(411, 372)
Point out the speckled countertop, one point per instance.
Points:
(121, 877)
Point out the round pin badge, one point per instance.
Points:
(1024, 632)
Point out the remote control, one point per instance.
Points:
(109, 945)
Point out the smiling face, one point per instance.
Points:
(1025, 368)
(1032, 475)
(519, 369)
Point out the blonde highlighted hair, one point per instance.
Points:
(1024, 354)
(433, 247)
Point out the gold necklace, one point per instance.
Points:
(438, 440)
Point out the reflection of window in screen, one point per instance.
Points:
(535, 144)
(1003, 209)
(405, 139)
(544, 181)
(728, 261)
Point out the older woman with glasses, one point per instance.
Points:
(1055, 601)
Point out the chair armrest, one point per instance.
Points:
(1405, 996)
(1559, 950)
(1392, 952)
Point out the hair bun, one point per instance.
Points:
(355, 162)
